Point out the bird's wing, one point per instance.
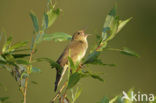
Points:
(75, 49)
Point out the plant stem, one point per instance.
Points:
(59, 92)
(28, 71)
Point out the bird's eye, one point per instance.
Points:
(78, 33)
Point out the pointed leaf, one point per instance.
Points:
(35, 21)
(95, 76)
(2, 58)
(52, 15)
(34, 69)
(45, 21)
(34, 82)
(7, 44)
(104, 100)
(52, 63)
(20, 55)
(74, 79)
(129, 52)
(109, 22)
(72, 65)
(58, 36)
(21, 61)
(92, 57)
(17, 46)
(2, 99)
(122, 23)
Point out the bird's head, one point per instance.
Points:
(80, 35)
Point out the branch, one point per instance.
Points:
(59, 92)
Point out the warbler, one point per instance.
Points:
(76, 49)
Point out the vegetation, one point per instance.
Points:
(17, 59)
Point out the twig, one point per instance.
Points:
(26, 80)
(59, 92)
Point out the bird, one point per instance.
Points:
(76, 49)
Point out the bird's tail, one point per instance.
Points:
(58, 77)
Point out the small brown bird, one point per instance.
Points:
(76, 49)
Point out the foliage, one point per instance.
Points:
(18, 59)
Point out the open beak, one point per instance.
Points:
(88, 35)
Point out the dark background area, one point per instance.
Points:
(139, 35)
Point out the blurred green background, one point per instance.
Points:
(138, 35)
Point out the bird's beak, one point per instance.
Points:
(88, 35)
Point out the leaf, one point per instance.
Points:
(52, 15)
(122, 23)
(34, 69)
(2, 59)
(17, 45)
(34, 82)
(76, 95)
(21, 61)
(113, 100)
(129, 52)
(74, 79)
(114, 28)
(104, 100)
(95, 76)
(35, 21)
(7, 44)
(2, 99)
(45, 21)
(72, 65)
(99, 62)
(109, 24)
(57, 37)
(20, 55)
(92, 57)
(52, 63)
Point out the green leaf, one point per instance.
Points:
(34, 82)
(57, 37)
(7, 45)
(104, 100)
(95, 76)
(17, 46)
(109, 24)
(92, 57)
(20, 55)
(21, 61)
(72, 65)
(114, 28)
(52, 63)
(113, 100)
(76, 95)
(99, 62)
(74, 79)
(2, 59)
(45, 21)
(122, 23)
(2, 99)
(34, 69)
(52, 15)
(35, 21)
(129, 52)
